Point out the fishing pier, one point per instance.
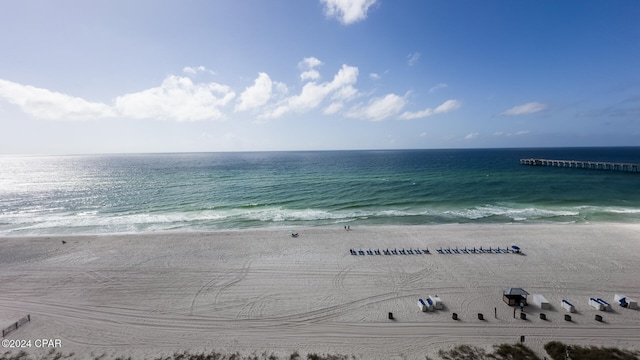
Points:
(593, 165)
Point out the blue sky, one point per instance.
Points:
(112, 76)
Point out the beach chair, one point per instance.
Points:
(464, 251)
(394, 251)
(439, 251)
(361, 252)
(410, 252)
(456, 251)
(448, 250)
(426, 251)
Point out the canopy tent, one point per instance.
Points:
(514, 296)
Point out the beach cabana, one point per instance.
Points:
(514, 296)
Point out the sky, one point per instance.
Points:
(123, 76)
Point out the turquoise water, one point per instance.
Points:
(100, 194)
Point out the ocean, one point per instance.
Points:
(106, 194)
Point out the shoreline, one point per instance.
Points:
(337, 226)
(151, 294)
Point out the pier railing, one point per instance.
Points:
(593, 165)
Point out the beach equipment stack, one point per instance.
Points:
(425, 305)
(541, 301)
(437, 303)
(599, 304)
(595, 304)
(568, 306)
(624, 301)
(429, 304)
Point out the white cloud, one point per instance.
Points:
(507, 134)
(194, 70)
(374, 76)
(412, 59)
(310, 75)
(347, 11)
(379, 109)
(50, 105)
(525, 109)
(256, 95)
(313, 94)
(471, 136)
(309, 63)
(177, 98)
(445, 107)
(438, 87)
(333, 108)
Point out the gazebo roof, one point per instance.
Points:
(514, 291)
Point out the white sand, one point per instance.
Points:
(262, 290)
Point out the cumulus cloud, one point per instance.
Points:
(310, 75)
(256, 95)
(177, 98)
(445, 107)
(309, 63)
(412, 59)
(379, 109)
(347, 11)
(438, 87)
(313, 94)
(50, 105)
(525, 109)
(194, 70)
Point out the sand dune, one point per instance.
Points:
(262, 290)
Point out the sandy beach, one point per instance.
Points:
(143, 295)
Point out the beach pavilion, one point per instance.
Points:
(514, 296)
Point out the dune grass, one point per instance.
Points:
(555, 350)
(558, 351)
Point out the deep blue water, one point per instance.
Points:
(97, 194)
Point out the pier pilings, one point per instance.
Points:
(592, 165)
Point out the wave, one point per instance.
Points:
(93, 222)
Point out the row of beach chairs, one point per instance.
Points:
(394, 251)
(473, 250)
